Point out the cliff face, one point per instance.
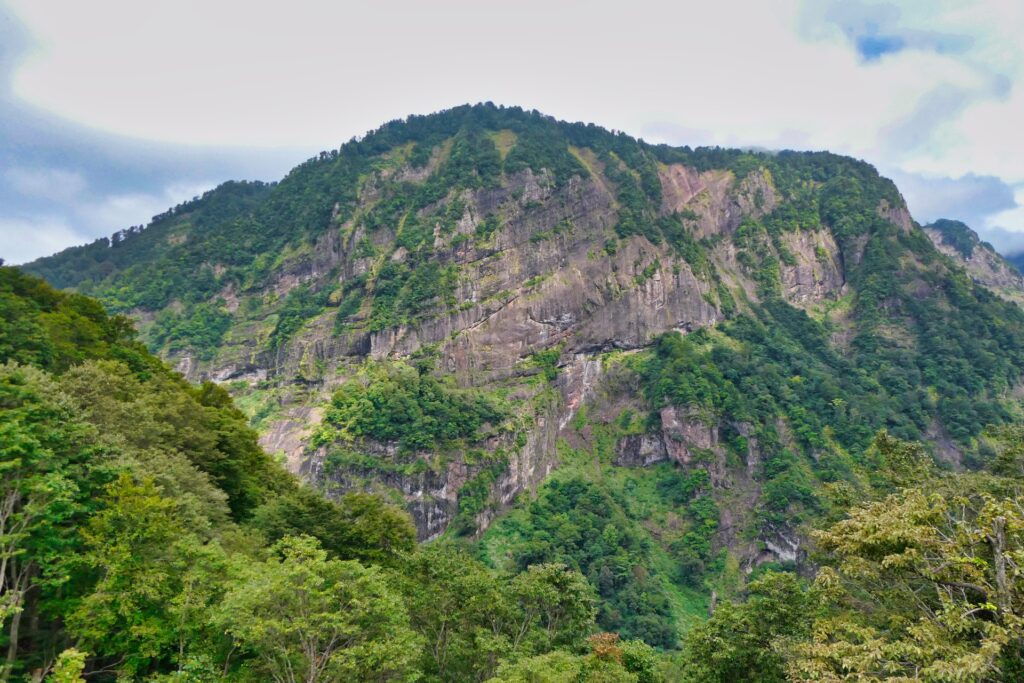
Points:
(516, 258)
(545, 278)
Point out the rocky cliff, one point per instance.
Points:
(980, 259)
(520, 260)
(545, 278)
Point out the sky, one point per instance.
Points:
(111, 111)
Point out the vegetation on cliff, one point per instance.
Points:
(145, 537)
(397, 403)
(237, 236)
(816, 336)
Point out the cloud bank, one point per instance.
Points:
(186, 93)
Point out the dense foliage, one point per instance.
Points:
(642, 538)
(920, 584)
(145, 536)
(393, 402)
(576, 523)
(53, 330)
(131, 549)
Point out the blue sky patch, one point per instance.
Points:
(873, 47)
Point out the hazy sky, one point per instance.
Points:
(113, 110)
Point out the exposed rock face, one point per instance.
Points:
(691, 441)
(541, 280)
(432, 493)
(686, 438)
(290, 435)
(527, 288)
(817, 274)
(715, 198)
(979, 259)
(898, 215)
(685, 432)
(641, 450)
(783, 545)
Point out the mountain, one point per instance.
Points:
(629, 388)
(979, 259)
(504, 321)
(1016, 260)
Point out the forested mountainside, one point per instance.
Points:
(663, 368)
(146, 537)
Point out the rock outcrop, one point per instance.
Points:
(816, 272)
(543, 279)
(979, 259)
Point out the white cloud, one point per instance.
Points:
(970, 198)
(114, 212)
(317, 73)
(1010, 219)
(29, 238)
(45, 183)
(943, 101)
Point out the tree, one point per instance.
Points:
(133, 548)
(610, 660)
(304, 617)
(894, 463)
(462, 612)
(556, 606)
(50, 467)
(69, 667)
(554, 667)
(374, 530)
(1009, 448)
(737, 643)
(473, 618)
(641, 659)
(924, 586)
(360, 526)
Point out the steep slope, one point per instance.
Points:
(122, 485)
(147, 537)
(979, 259)
(456, 305)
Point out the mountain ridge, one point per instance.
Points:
(980, 259)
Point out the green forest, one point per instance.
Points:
(147, 537)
